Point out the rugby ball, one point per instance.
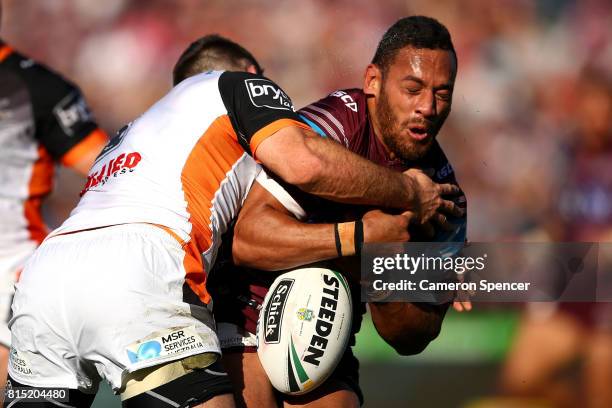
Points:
(303, 329)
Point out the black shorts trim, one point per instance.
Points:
(191, 389)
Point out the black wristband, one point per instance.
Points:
(358, 237)
(337, 237)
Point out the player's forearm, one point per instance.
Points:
(346, 177)
(324, 168)
(277, 241)
(408, 327)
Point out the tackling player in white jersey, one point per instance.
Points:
(118, 292)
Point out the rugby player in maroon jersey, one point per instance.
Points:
(393, 121)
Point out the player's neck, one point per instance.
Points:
(371, 104)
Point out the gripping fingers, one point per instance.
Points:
(443, 222)
(449, 189)
(451, 208)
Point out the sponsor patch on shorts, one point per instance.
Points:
(166, 343)
(19, 363)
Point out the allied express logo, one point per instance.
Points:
(273, 313)
(123, 163)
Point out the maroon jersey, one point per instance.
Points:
(343, 117)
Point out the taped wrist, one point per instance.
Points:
(349, 238)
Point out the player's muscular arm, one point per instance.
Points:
(324, 168)
(268, 237)
(408, 327)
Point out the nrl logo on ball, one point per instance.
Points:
(305, 314)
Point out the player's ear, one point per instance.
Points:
(252, 69)
(372, 80)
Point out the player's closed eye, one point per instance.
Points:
(443, 95)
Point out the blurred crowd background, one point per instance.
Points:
(532, 105)
(530, 135)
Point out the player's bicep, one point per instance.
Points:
(288, 154)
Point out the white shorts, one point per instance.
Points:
(102, 303)
(10, 266)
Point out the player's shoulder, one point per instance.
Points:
(353, 99)
(191, 95)
(38, 74)
(340, 115)
(342, 101)
(236, 87)
(199, 82)
(260, 91)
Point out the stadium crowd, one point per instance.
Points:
(521, 119)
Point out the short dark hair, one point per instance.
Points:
(212, 52)
(413, 31)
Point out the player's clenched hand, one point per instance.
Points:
(429, 203)
(381, 227)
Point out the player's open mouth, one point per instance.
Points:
(418, 132)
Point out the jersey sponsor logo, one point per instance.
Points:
(265, 93)
(26, 63)
(444, 172)
(71, 112)
(122, 164)
(348, 100)
(273, 314)
(166, 343)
